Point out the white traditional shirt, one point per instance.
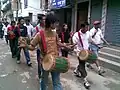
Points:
(29, 30)
(85, 40)
(97, 38)
(5, 29)
(35, 31)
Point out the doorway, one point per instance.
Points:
(82, 14)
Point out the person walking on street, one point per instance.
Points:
(40, 26)
(21, 33)
(13, 40)
(5, 27)
(1, 30)
(81, 39)
(51, 40)
(64, 37)
(96, 40)
(29, 28)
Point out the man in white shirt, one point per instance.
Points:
(5, 27)
(40, 26)
(84, 33)
(29, 28)
(97, 39)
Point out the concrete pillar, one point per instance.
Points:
(74, 18)
(89, 12)
(104, 16)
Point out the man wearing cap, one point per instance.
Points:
(97, 39)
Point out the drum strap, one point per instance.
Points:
(37, 29)
(80, 39)
(43, 41)
(62, 36)
(94, 34)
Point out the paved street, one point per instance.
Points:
(22, 77)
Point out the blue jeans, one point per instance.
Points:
(55, 79)
(94, 48)
(27, 55)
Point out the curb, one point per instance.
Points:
(110, 64)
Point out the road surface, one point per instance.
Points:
(22, 77)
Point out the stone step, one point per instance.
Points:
(110, 64)
(110, 56)
(115, 47)
(111, 51)
(107, 63)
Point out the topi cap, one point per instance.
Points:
(96, 22)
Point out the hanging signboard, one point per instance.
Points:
(58, 3)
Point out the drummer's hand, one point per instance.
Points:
(31, 38)
(72, 46)
(68, 47)
(23, 44)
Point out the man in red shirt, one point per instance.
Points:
(12, 39)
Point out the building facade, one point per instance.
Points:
(107, 11)
(29, 8)
(6, 9)
(112, 29)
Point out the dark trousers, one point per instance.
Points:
(39, 62)
(81, 68)
(26, 52)
(13, 46)
(64, 53)
(6, 38)
(1, 34)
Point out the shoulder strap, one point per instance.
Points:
(44, 46)
(80, 39)
(37, 29)
(62, 36)
(94, 34)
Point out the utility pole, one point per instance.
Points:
(0, 10)
(74, 16)
(17, 2)
(75, 20)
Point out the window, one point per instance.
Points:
(25, 4)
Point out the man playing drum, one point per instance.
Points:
(81, 39)
(97, 37)
(50, 48)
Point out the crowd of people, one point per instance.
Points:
(45, 39)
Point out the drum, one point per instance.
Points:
(88, 56)
(11, 35)
(24, 39)
(59, 64)
(28, 40)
